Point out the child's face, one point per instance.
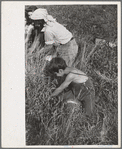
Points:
(60, 73)
(39, 24)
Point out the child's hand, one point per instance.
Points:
(49, 58)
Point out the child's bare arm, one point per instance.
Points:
(63, 85)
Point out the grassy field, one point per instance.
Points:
(55, 122)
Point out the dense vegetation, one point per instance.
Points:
(55, 122)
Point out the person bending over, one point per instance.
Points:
(29, 26)
(56, 36)
(76, 80)
(31, 29)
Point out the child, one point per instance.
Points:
(31, 29)
(76, 80)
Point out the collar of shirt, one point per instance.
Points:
(48, 23)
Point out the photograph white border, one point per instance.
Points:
(13, 72)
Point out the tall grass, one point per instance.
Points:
(53, 121)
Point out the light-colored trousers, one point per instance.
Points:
(68, 52)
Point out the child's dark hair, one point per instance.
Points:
(56, 64)
(31, 8)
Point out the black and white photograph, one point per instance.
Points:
(70, 96)
(71, 75)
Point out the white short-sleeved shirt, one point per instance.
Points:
(56, 33)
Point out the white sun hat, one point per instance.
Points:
(41, 13)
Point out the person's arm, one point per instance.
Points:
(29, 32)
(49, 40)
(64, 85)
